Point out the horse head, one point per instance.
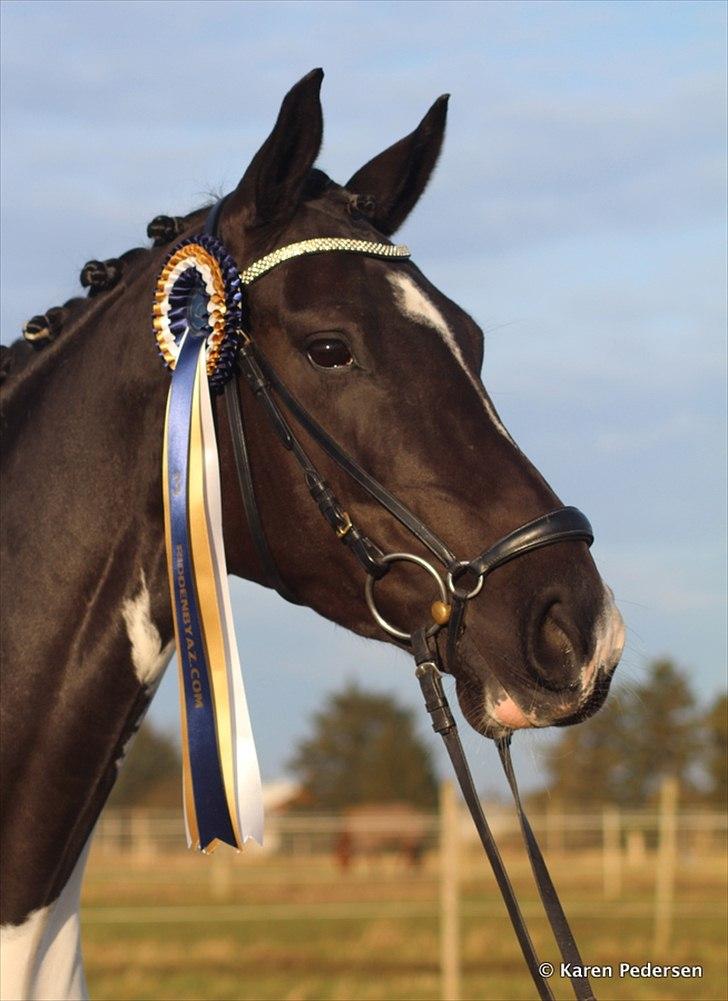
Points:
(407, 456)
(390, 368)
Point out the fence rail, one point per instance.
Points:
(631, 834)
(436, 856)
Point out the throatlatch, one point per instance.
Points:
(198, 325)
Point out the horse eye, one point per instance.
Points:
(329, 352)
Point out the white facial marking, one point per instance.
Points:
(147, 654)
(40, 960)
(609, 644)
(607, 651)
(414, 303)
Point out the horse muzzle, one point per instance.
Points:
(558, 684)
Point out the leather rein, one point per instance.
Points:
(463, 580)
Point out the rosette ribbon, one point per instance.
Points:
(196, 323)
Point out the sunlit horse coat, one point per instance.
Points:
(87, 626)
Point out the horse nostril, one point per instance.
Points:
(553, 653)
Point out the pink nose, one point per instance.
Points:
(509, 714)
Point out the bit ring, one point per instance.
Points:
(400, 634)
(453, 587)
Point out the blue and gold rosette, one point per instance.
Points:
(197, 317)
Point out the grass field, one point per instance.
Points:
(186, 927)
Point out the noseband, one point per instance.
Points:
(462, 580)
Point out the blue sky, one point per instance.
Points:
(578, 212)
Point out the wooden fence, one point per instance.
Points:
(621, 843)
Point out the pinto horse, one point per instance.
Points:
(386, 362)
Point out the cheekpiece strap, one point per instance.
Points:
(197, 320)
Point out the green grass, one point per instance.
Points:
(186, 927)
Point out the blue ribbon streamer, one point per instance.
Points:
(210, 802)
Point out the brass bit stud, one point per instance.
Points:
(440, 612)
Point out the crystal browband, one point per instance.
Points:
(320, 245)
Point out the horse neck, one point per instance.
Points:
(82, 462)
(87, 625)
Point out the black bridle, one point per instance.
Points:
(564, 524)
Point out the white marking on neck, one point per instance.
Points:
(41, 958)
(414, 303)
(147, 654)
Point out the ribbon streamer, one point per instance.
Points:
(196, 316)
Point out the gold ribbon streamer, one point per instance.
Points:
(235, 746)
(188, 796)
(207, 597)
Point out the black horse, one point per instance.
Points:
(388, 365)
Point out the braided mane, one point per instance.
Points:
(22, 364)
(105, 280)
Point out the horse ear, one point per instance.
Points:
(398, 176)
(270, 189)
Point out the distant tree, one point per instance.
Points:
(715, 751)
(638, 737)
(587, 764)
(662, 737)
(151, 773)
(364, 749)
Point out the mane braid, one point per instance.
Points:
(20, 361)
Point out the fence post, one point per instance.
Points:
(666, 859)
(141, 837)
(449, 893)
(611, 853)
(554, 827)
(221, 872)
(636, 851)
